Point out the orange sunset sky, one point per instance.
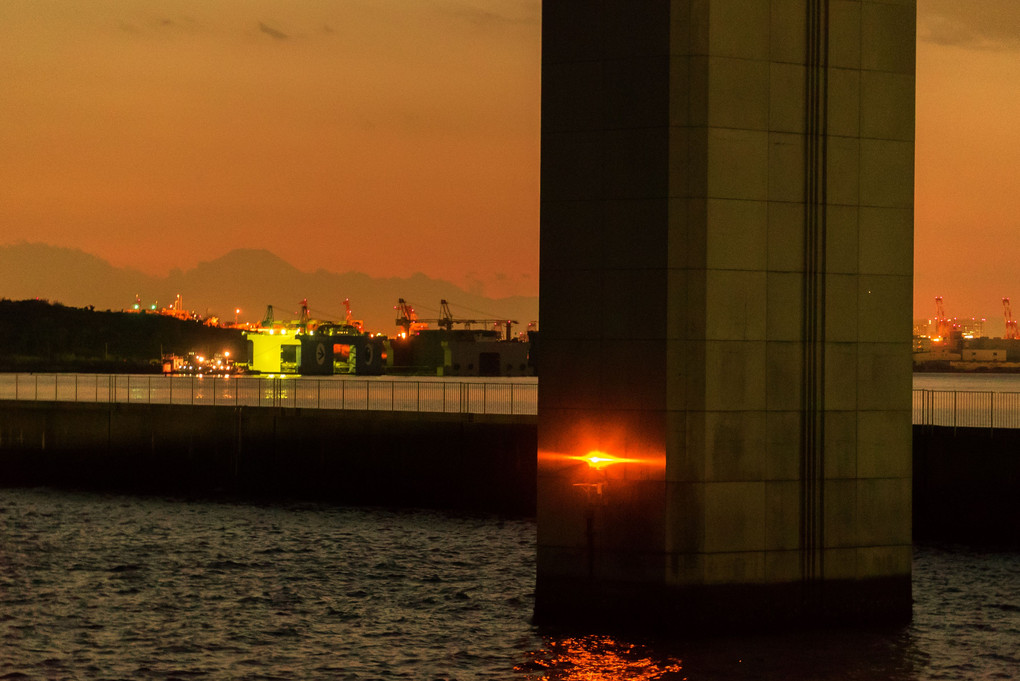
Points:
(401, 136)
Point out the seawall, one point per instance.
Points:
(967, 485)
(455, 461)
(966, 480)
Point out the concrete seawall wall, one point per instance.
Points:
(457, 461)
(967, 485)
(966, 480)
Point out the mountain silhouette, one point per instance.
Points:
(245, 279)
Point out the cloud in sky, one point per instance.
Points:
(272, 32)
(981, 24)
(526, 12)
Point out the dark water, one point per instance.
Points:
(111, 587)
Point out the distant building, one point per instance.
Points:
(970, 328)
(974, 355)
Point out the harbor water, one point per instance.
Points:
(97, 586)
(968, 381)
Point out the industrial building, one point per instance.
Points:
(315, 348)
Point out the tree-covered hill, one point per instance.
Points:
(36, 335)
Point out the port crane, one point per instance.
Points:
(349, 319)
(943, 326)
(1011, 327)
(409, 321)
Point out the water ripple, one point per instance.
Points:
(113, 587)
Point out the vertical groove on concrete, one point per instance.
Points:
(813, 425)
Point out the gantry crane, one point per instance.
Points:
(410, 322)
(349, 319)
(943, 327)
(1011, 328)
(408, 319)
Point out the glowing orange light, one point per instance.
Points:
(599, 460)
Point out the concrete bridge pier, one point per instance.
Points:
(726, 273)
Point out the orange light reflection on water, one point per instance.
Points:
(596, 658)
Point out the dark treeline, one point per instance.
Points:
(36, 335)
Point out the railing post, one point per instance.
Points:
(213, 390)
(36, 398)
(392, 395)
(76, 387)
(991, 413)
(511, 399)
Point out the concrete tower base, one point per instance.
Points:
(726, 273)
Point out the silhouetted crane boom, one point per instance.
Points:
(446, 320)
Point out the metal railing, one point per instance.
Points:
(951, 408)
(966, 409)
(446, 396)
